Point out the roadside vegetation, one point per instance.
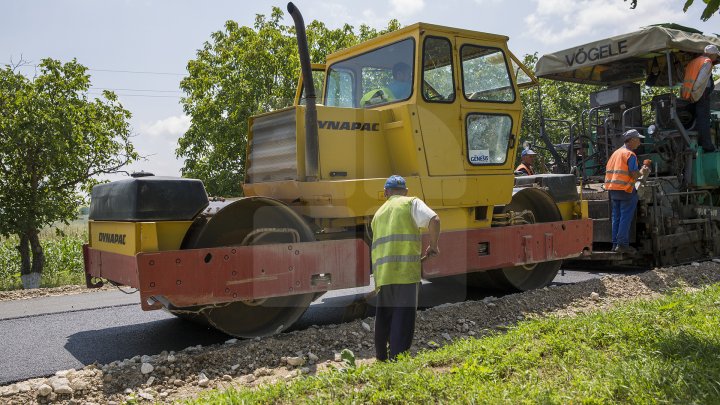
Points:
(63, 258)
(661, 351)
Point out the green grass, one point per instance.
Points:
(63, 258)
(661, 351)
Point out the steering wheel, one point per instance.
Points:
(376, 97)
(430, 93)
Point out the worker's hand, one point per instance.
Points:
(432, 251)
(644, 171)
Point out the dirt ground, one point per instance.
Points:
(172, 376)
(48, 292)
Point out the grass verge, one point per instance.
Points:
(660, 351)
(63, 258)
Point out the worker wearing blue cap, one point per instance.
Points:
(396, 258)
(527, 158)
(621, 172)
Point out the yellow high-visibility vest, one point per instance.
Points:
(689, 91)
(397, 244)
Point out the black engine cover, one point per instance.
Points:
(148, 199)
(560, 186)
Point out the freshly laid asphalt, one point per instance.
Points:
(43, 335)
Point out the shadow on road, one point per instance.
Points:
(124, 342)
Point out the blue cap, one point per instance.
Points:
(527, 152)
(395, 181)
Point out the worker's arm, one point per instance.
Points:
(434, 230)
(633, 167)
(425, 217)
(703, 76)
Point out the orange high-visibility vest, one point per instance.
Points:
(617, 172)
(528, 170)
(691, 73)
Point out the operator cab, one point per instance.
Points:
(457, 89)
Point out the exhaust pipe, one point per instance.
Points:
(311, 128)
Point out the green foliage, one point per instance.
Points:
(662, 351)
(348, 357)
(711, 7)
(53, 141)
(240, 72)
(562, 101)
(63, 266)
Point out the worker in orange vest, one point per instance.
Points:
(620, 175)
(697, 87)
(527, 158)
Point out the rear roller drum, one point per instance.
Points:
(528, 277)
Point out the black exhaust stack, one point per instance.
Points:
(311, 128)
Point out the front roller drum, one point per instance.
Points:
(244, 222)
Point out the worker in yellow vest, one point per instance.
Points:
(396, 258)
(697, 87)
(527, 158)
(620, 175)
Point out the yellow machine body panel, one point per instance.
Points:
(573, 209)
(450, 134)
(131, 238)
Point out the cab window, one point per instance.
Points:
(485, 75)
(488, 138)
(381, 76)
(318, 79)
(438, 84)
(339, 91)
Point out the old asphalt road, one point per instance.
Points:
(40, 336)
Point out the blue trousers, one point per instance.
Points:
(702, 120)
(395, 319)
(623, 211)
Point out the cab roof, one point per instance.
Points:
(413, 30)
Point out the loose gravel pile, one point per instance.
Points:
(170, 376)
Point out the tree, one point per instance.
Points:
(53, 141)
(711, 7)
(240, 72)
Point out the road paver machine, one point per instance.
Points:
(638, 77)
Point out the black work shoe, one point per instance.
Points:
(614, 248)
(626, 249)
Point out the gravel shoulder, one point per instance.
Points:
(50, 292)
(172, 376)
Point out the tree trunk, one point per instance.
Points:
(38, 263)
(24, 249)
(30, 271)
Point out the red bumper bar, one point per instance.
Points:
(209, 276)
(494, 248)
(215, 275)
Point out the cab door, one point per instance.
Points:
(490, 106)
(439, 107)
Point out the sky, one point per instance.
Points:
(140, 48)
